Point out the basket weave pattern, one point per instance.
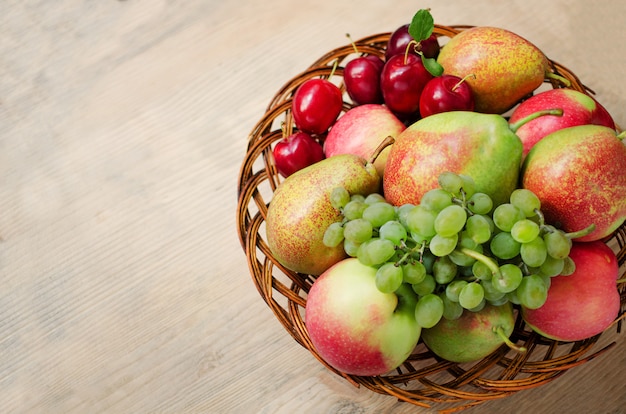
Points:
(423, 379)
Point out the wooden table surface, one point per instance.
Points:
(123, 124)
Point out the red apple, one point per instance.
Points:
(583, 304)
(578, 109)
(579, 174)
(446, 93)
(361, 130)
(355, 327)
(295, 152)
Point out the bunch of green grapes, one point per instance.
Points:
(455, 248)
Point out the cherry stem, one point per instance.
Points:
(622, 280)
(621, 135)
(352, 42)
(332, 72)
(516, 125)
(389, 140)
(500, 332)
(463, 80)
(408, 47)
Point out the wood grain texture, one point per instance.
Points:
(123, 288)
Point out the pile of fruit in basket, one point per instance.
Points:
(452, 195)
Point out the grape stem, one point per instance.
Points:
(500, 332)
(490, 263)
(581, 233)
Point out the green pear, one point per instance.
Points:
(482, 146)
(472, 336)
(300, 211)
(506, 67)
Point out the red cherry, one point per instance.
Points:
(316, 105)
(402, 80)
(362, 79)
(446, 93)
(295, 152)
(400, 38)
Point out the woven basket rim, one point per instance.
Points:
(462, 385)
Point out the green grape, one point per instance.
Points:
(388, 277)
(460, 258)
(512, 297)
(428, 259)
(379, 213)
(558, 244)
(426, 286)
(403, 211)
(374, 198)
(339, 197)
(498, 301)
(444, 270)
(453, 289)
(491, 293)
(534, 252)
(504, 246)
(569, 267)
(350, 247)
(471, 295)
(358, 231)
(375, 251)
(469, 185)
(450, 220)
(354, 209)
(480, 203)
(547, 280)
(450, 182)
(478, 227)
(443, 246)
(394, 231)
(532, 292)
(436, 199)
(333, 235)
(552, 267)
(421, 220)
(505, 216)
(413, 272)
(429, 310)
(481, 271)
(479, 307)
(526, 201)
(525, 230)
(357, 197)
(509, 278)
(451, 310)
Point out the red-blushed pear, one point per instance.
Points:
(583, 304)
(300, 211)
(355, 327)
(578, 109)
(361, 130)
(482, 146)
(506, 66)
(579, 174)
(472, 336)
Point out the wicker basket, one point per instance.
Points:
(424, 379)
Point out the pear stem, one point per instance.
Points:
(516, 125)
(562, 79)
(500, 332)
(493, 266)
(389, 140)
(581, 233)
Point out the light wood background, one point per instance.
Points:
(123, 287)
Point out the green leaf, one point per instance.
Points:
(432, 66)
(422, 25)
